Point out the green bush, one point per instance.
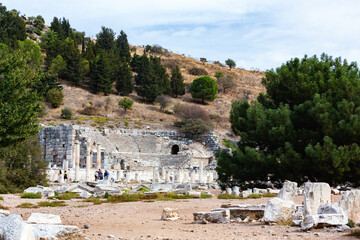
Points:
(66, 113)
(255, 196)
(31, 195)
(197, 71)
(204, 88)
(126, 103)
(205, 195)
(229, 196)
(1, 198)
(351, 223)
(107, 195)
(194, 127)
(55, 97)
(27, 205)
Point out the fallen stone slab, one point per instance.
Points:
(100, 189)
(194, 194)
(278, 210)
(350, 203)
(33, 190)
(13, 227)
(330, 214)
(315, 195)
(85, 194)
(323, 220)
(86, 188)
(253, 212)
(288, 191)
(55, 231)
(42, 218)
(170, 214)
(222, 216)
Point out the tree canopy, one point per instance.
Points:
(231, 63)
(305, 127)
(204, 88)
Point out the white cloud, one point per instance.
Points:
(256, 33)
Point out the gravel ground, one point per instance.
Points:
(141, 220)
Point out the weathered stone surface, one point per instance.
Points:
(170, 214)
(350, 203)
(315, 195)
(220, 216)
(85, 194)
(47, 192)
(33, 190)
(288, 191)
(4, 213)
(235, 191)
(298, 215)
(253, 212)
(55, 231)
(245, 194)
(195, 194)
(41, 218)
(323, 220)
(12, 227)
(100, 189)
(278, 210)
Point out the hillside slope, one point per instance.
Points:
(107, 112)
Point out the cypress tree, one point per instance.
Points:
(122, 47)
(101, 74)
(177, 82)
(162, 78)
(124, 81)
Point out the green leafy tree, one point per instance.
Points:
(204, 88)
(12, 27)
(39, 22)
(55, 97)
(61, 27)
(21, 166)
(19, 103)
(203, 60)
(89, 53)
(177, 82)
(58, 66)
(218, 75)
(53, 46)
(102, 76)
(304, 128)
(122, 47)
(231, 63)
(72, 57)
(126, 103)
(105, 38)
(124, 80)
(33, 51)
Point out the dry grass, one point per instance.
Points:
(248, 84)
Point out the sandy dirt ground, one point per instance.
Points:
(141, 220)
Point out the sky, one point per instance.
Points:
(256, 34)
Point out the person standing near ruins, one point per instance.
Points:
(96, 175)
(65, 176)
(106, 175)
(100, 174)
(112, 177)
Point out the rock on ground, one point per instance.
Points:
(41, 218)
(170, 214)
(350, 202)
(315, 194)
(55, 231)
(288, 191)
(13, 227)
(220, 216)
(279, 210)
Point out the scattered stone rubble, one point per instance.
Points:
(38, 226)
(317, 211)
(170, 214)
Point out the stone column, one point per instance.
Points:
(192, 177)
(88, 160)
(167, 179)
(66, 166)
(98, 156)
(163, 173)
(73, 156)
(186, 176)
(201, 171)
(154, 175)
(77, 160)
(176, 176)
(137, 177)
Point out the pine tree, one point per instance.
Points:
(122, 47)
(177, 82)
(101, 74)
(162, 80)
(146, 81)
(124, 81)
(105, 39)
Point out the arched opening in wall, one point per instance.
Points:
(122, 165)
(175, 149)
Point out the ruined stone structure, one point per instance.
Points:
(130, 154)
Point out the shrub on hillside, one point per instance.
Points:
(55, 97)
(189, 111)
(66, 113)
(194, 127)
(197, 71)
(164, 101)
(90, 110)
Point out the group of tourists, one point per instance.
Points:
(99, 175)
